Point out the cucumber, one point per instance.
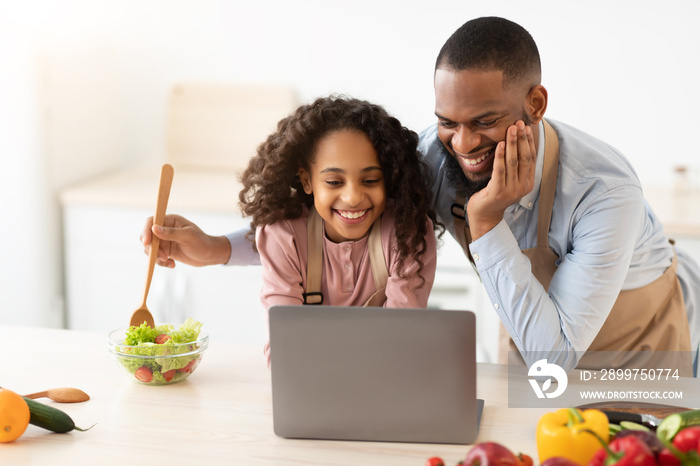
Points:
(629, 425)
(50, 418)
(674, 423)
(613, 429)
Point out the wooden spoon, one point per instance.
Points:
(61, 395)
(166, 180)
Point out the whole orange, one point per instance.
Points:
(14, 415)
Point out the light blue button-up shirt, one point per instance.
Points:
(606, 236)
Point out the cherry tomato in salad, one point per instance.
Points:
(144, 374)
(168, 375)
(189, 367)
(162, 338)
(434, 461)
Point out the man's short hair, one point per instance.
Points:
(492, 43)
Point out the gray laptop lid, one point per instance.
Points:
(374, 374)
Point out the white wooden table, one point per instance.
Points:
(221, 415)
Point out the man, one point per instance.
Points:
(572, 257)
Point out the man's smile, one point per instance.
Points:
(475, 164)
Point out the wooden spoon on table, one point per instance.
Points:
(166, 180)
(61, 395)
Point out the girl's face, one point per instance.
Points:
(347, 183)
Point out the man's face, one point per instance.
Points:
(474, 111)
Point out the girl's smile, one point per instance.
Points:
(352, 217)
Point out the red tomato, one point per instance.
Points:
(144, 374)
(189, 367)
(434, 461)
(162, 338)
(688, 439)
(168, 375)
(524, 460)
(666, 458)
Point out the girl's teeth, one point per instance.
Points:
(352, 214)
(479, 160)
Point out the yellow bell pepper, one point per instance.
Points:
(563, 433)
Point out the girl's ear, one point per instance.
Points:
(305, 179)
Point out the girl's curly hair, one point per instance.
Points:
(272, 190)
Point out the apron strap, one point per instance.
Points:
(314, 266)
(548, 185)
(462, 233)
(380, 273)
(459, 217)
(542, 258)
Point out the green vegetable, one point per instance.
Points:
(188, 332)
(629, 425)
(674, 423)
(162, 357)
(613, 429)
(48, 417)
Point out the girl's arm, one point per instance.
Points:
(281, 266)
(282, 276)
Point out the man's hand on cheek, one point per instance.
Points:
(513, 177)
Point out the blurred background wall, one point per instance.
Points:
(84, 84)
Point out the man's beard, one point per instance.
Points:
(456, 178)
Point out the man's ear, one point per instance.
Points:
(537, 103)
(305, 179)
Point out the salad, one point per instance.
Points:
(162, 354)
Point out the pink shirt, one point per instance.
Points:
(347, 276)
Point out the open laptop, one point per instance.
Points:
(374, 374)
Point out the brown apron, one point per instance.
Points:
(314, 266)
(650, 318)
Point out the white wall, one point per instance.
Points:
(84, 86)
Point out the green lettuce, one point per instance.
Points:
(188, 332)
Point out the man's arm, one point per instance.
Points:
(183, 241)
(242, 252)
(565, 320)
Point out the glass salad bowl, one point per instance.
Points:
(162, 355)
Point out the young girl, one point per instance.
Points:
(341, 210)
